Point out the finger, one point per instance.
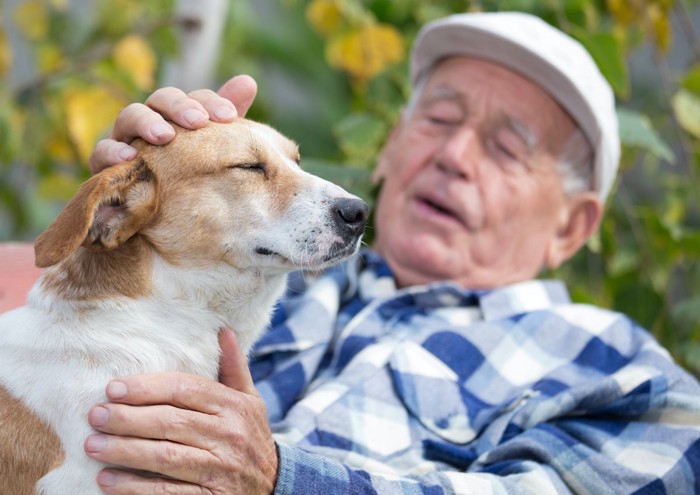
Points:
(138, 120)
(175, 105)
(233, 365)
(219, 109)
(170, 459)
(241, 91)
(177, 389)
(162, 422)
(115, 482)
(109, 152)
(159, 422)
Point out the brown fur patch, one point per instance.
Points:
(28, 447)
(101, 274)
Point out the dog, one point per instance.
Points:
(145, 265)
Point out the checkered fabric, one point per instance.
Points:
(440, 390)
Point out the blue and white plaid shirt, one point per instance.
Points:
(440, 390)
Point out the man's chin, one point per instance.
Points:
(416, 264)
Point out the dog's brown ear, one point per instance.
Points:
(108, 209)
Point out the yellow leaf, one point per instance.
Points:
(49, 58)
(660, 26)
(59, 4)
(5, 54)
(624, 11)
(620, 33)
(59, 148)
(324, 16)
(32, 19)
(134, 55)
(367, 51)
(675, 210)
(686, 107)
(89, 113)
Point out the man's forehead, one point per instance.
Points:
(443, 91)
(496, 118)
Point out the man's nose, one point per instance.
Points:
(461, 152)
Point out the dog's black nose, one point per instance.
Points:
(350, 215)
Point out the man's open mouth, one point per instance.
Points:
(439, 208)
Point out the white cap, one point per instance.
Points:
(545, 55)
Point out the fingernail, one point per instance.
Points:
(99, 416)
(107, 478)
(116, 390)
(127, 153)
(95, 444)
(192, 116)
(224, 112)
(162, 130)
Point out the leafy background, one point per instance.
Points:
(332, 75)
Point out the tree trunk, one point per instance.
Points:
(199, 26)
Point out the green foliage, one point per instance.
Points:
(80, 69)
(332, 74)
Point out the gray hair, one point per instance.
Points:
(574, 164)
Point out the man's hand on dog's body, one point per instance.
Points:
(208, 437)
(193, 110)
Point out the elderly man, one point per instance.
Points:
(434, 363)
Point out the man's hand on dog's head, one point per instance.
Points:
(149, 120)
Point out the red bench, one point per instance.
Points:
(17, 273)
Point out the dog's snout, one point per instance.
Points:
(350, 215)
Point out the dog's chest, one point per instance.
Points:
(48, 355)
(58, 364)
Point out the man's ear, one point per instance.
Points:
(107, 210)
(579, 219)
(384, 160)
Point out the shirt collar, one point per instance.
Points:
(375, 280)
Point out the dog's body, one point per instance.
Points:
(146, 264)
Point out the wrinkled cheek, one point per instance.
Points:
(386, 214)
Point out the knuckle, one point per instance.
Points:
(165, 92)
(184, 386)
(118, 414)
(180, 388)
(202, 93)
(101, 148)
(129, 110)
(170, 454)
(162, 486)
(176, 420)
(101, 157)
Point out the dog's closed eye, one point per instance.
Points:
(258, 167)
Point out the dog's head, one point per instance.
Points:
(226, 193)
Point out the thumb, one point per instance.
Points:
(233, 365)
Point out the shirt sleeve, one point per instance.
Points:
(549, 459)
(637, 431)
